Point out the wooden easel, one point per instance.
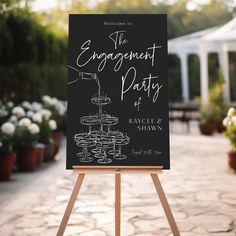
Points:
(81, 171)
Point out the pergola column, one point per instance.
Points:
(224, 65)
(203, 55)
(184, 75)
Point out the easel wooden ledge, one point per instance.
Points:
(118, 170)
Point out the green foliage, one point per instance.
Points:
(23, 138)
(194, 76)
(210, 113)
(216, 91)
(32, 58)
(232, 70)
(216, 109)
(45, 132)
(174, 79)
(216, 95)
(6, 144)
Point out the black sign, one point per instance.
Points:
(118, 91)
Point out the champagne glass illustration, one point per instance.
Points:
(124, 140)
(106, 143)
(109, 121)
(115, 135)
(84, 140)
(89, 121)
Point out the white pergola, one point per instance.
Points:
(221, 39)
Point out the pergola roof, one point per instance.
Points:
(225, 33)
(211, 37)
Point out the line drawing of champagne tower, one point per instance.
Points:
(101, 142)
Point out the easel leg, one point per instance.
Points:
(70, 205)
(165, 204)
(117, 203)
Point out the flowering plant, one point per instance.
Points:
(26, 134)
(6, 138)
(43, 119)
(230, 123)
(3, 113)
(58, 110)
(210, 113)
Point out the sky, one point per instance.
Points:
(44, 5)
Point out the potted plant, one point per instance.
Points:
(25, 142)
(46, 125)
(209, 114)
(58, 110)
(230, 123)
(7, 156)
(216, 97)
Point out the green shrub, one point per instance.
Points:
(33, 59)
(210, 113)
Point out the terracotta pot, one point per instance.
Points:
(48, 152)
(232, 160)
(27, 159)
(207, 129)
(219, 126)
(57, 137)
(6, 165)
(40, 153)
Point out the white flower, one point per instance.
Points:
(46, 114)
(46, 98)
(225, 121)
(25, 122)
(60, 107)
(3, 112)
(30, 114)
(13, 119)
(10, 104)
(231, 111)
(49, 101)
(233, 120)
(34, 128)
(26, 105)
(18, 111)
(36, 106)
(54, 101)
(1, 144)
(52, 124)
(8, 128)
(37, 117)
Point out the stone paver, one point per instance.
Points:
(200, 188)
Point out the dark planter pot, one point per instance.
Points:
(6, 165)
(219, 126)
(57, 137)
(40, 153)
(207, 129)
(232, 160)
(48, 152)
(27, 159)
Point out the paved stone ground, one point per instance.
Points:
(200, 189)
